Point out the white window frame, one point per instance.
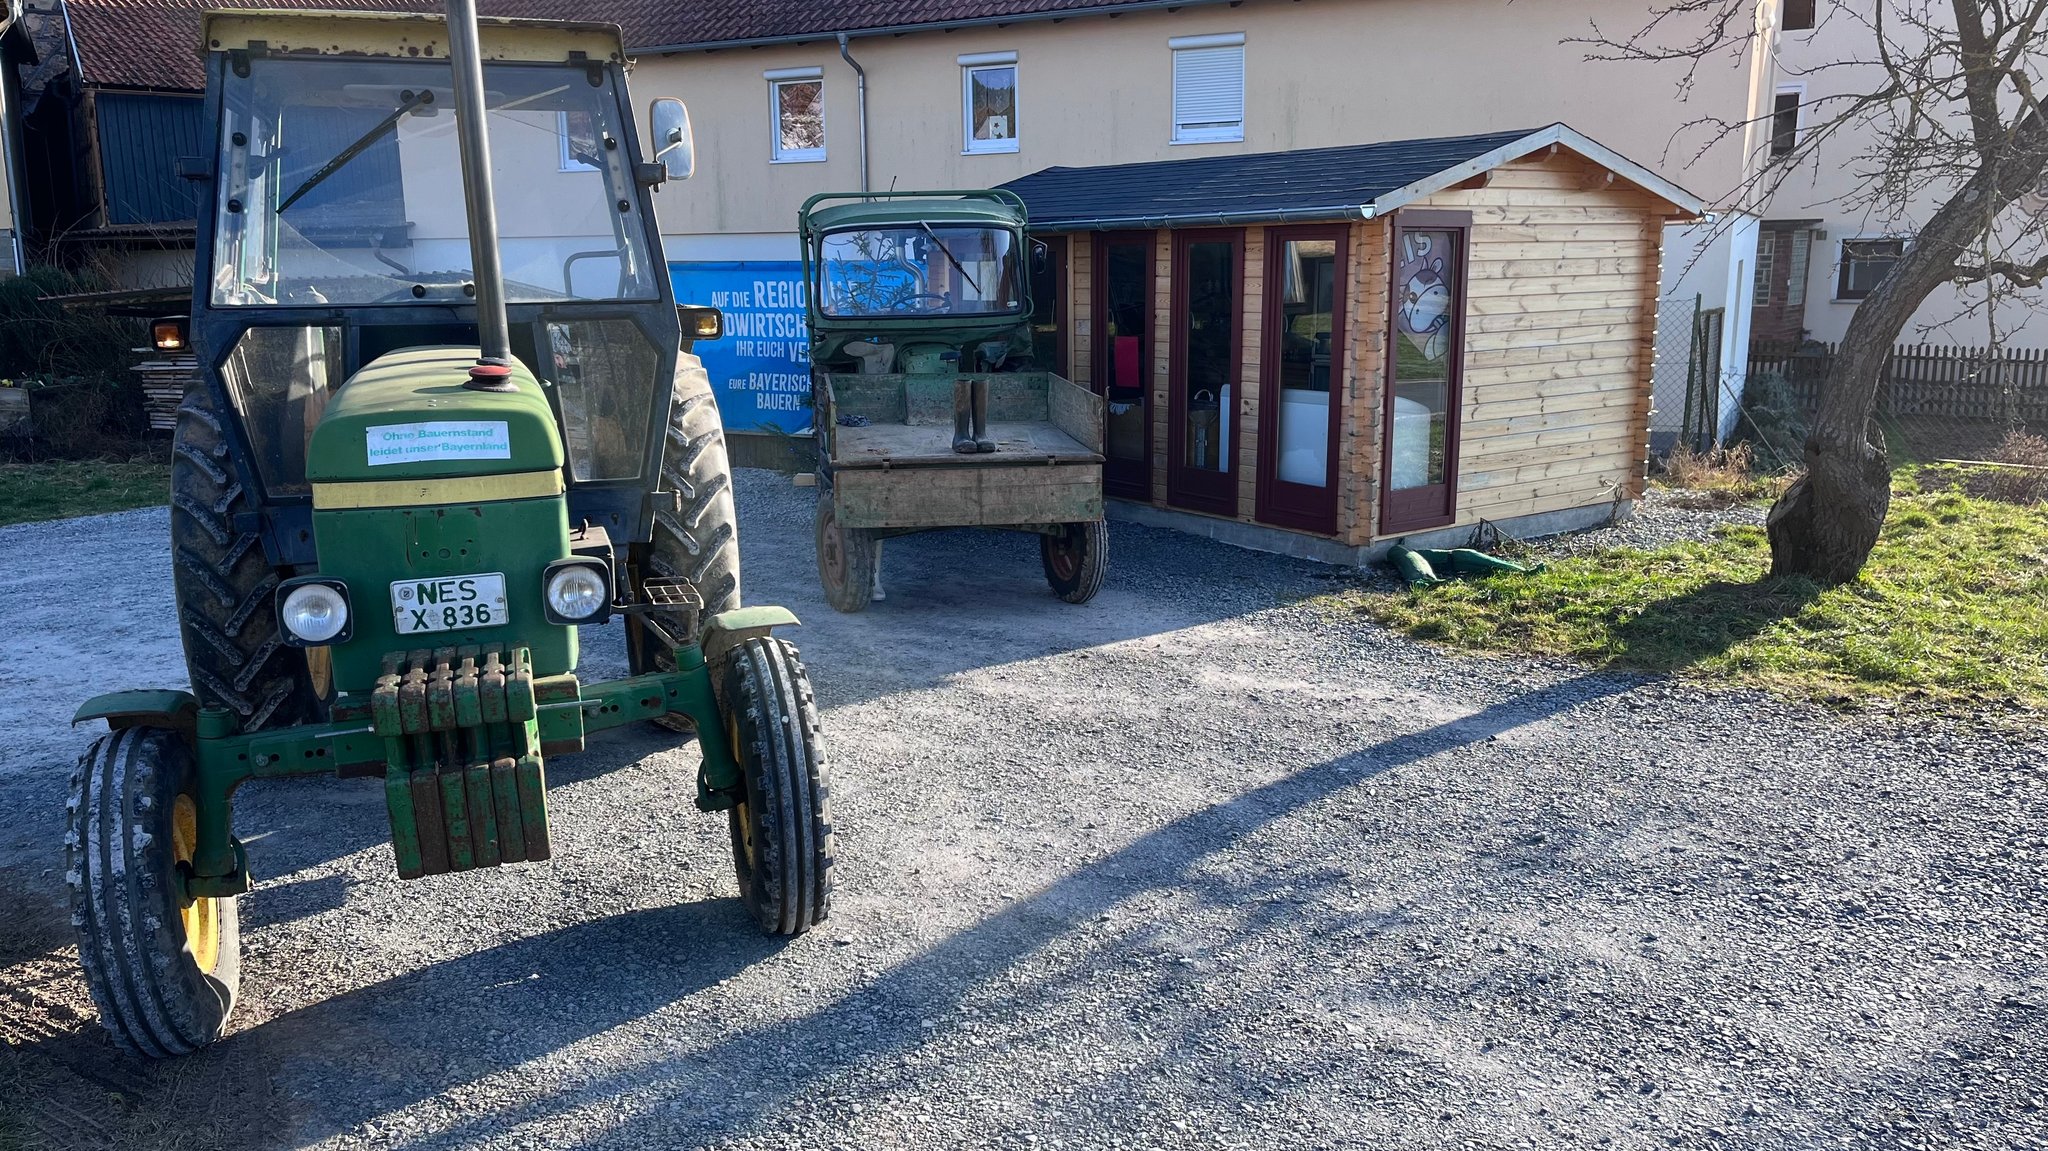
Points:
(969, 65)
(1835, 295)
(776, 78)
(1798, 121)
(1214, 132)
(1766, 269)
(569, 163)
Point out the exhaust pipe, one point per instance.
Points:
(494, 338)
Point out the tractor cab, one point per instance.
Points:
(920, 282)
(340, 233)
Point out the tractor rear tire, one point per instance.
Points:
(846, 559)
(1076, 559)
(697, 535)
(782, 846)
(163, 973)
(233, 653)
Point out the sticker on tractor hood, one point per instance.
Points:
(440, 440)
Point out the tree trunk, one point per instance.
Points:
(1826, 523)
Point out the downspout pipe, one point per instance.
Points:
(860, 85)
(494, 338)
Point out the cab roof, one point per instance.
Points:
(989, 208)
(409, 35)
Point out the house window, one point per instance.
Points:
(796, 106)
(1795, 268)
(1208, 88)
(1797, 14)
(988, 98)
(1766, 266)
(1785, 121)
(1865, 263)
(578, 135)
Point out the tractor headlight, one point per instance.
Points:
(577, 591)
(313, 612)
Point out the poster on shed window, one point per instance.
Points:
(761, 368)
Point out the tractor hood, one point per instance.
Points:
(406, 415)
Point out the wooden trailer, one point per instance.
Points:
(887, 468)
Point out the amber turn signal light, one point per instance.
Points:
(168, 335)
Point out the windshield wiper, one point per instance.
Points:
(957, 266)
(413, 102)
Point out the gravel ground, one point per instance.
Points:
(1662, 517)
(1204, 863)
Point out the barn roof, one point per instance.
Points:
(1354, 182)
(155, 43)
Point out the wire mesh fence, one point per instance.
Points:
(1933, 403)
(1685, 401)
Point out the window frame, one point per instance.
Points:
(1787, 8)
(1178, 46)
(1432, 505)
(1842, 264)
(777, 78)
(1766, 268)
(567, 162)
(988, 62)
(1798, 92)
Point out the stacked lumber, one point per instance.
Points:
(163, 379)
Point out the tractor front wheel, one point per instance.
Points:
(782, 829)
(1075, 559)
(846, 559)
(163, 969)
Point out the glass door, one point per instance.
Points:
(1201, 470)
(1301, 376)
(1123, 359)
(1425, 370)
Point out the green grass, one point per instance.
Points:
(63, 488)
(1951, 613)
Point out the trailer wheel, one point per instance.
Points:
(1075, 559)
(782, 829)
(224, 585)
(164, 972)
(846, 559)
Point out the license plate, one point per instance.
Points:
(449, 603)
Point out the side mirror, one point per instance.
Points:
(1041, 257)
(674, 147)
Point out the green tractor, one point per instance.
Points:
(926, 416)
(436, 432)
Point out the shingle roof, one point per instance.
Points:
(155, 43)
(1309, 184)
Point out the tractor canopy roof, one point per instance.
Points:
(409, 35)
(997, 208)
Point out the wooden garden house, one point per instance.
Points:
(1320, 351)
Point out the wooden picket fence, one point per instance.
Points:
(1924, 382)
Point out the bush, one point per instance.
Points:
(74, 364)
(2023, 483)
(1773, 421)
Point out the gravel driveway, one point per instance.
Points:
(1203, 863)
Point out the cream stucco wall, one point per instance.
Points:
(1095, 90)
(1824, 180)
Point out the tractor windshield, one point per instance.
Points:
(340, 182)
(920, 270)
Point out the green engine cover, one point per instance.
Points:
(428, 497)
(406, 415)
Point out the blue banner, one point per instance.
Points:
(761, 368)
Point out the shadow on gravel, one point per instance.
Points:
(582, 980)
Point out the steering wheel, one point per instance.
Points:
(936, 302)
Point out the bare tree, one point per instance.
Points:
(1947, 108)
